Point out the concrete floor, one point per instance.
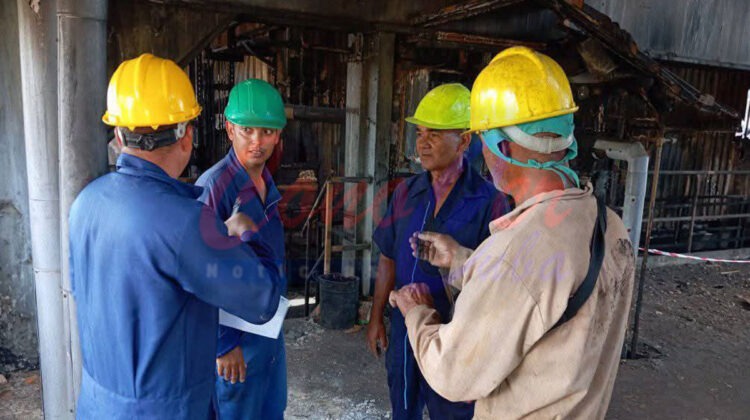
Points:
(694, 333)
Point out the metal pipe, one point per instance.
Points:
(38, 53)
(635, 183)
(701, 172)
(649, 226)
(328, 226)
(359, 117)
(82, 139)
(701, 218)
(307, 267)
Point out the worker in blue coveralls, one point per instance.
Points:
(251, 369)
(449, 196)
(151, 265)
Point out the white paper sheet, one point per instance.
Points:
(270, 329)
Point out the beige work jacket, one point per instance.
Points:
(499, 348)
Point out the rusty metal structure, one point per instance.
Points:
(350, 71)
(683, 113)
(625, 95)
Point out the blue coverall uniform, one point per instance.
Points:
(465, 215)
(263, 394)
(150, 264)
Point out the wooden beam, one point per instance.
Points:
(461, 11)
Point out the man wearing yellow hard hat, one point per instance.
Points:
(151, 265)
(538, 328)
(449, 197)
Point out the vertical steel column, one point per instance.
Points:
(376, 158)
(647, 243)
(368, 125)
(38, 48)
(82, 87)
(356, 118)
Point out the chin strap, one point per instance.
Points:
(493, 138)
(151, 141)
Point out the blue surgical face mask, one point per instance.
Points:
(559, 125)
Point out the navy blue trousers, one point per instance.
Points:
(409, 391)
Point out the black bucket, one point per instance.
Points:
(339, 296)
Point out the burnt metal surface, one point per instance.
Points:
(713, 32)
(351, 15)
(443, 39)
(461, 11)
(173, 32)
(618, 41)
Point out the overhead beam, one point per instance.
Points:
(442, 39)
(339, 15)
(461, 11)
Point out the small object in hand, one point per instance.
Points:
(236, 206)
(422, 248)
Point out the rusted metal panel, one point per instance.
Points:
(443, 39)
(461, 11)
(727, 85)
(352, 15)
(598, 25)
(173, 32)
(698, 31)
(411, 86)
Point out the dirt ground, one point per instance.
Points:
(696, 328)
(695, 333)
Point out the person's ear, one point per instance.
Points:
(117, 136)
(186, 142)
(230, 130)
(464, 142)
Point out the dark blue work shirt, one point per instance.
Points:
(465, 215)
(223, 183)
(150, 264)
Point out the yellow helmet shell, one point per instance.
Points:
(149, 91)
(519, 86)
(445, 107)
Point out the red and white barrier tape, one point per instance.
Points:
(692, 257)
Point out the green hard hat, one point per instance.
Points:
(444, 108)
(255, 103)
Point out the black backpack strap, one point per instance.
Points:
(581, 295)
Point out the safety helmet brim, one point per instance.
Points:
(436, 126)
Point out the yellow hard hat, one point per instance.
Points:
(444, 108)
(149, 91)
(519, 86)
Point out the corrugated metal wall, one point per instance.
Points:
(696, 31)
(700, 143)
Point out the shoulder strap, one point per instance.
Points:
(581, 295)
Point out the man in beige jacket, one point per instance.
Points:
(518, 343)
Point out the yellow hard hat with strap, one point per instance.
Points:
(149, 91)
(519, 86)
